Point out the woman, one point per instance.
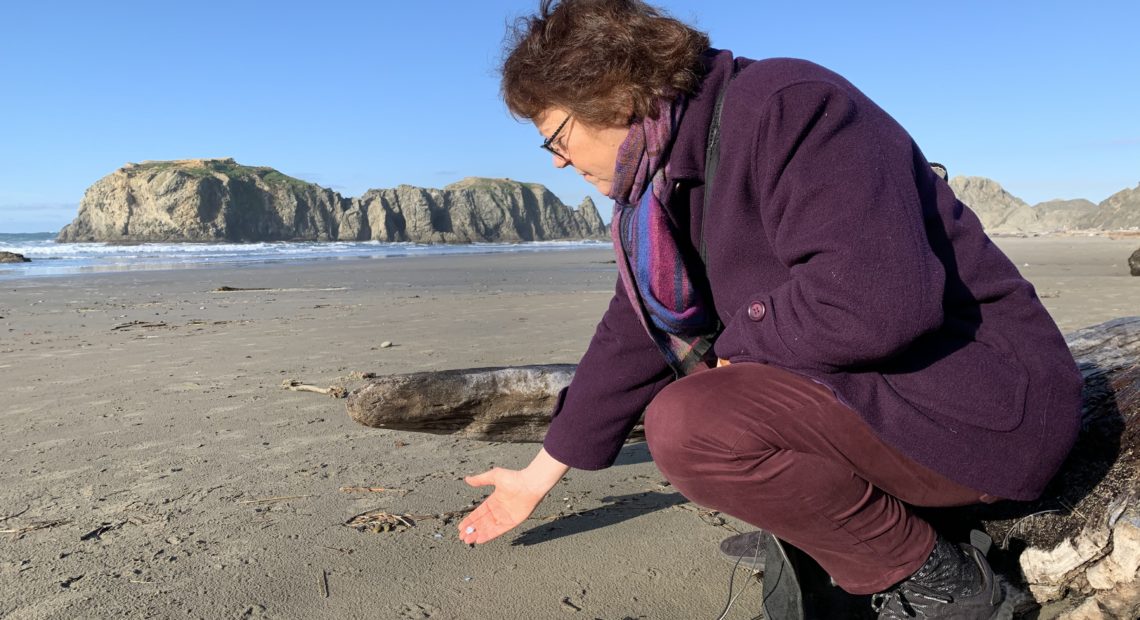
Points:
(876, 351)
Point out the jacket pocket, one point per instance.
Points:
(963, 380)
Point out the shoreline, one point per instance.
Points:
(56, 267)
(104, 258)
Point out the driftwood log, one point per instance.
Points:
(490, 404)
(1079, 544)
(1077, 547)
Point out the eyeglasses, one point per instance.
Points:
(548, 144)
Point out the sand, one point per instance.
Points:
(144, 432)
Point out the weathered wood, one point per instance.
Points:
(492, 404)
(1079, 542)
(294, 385)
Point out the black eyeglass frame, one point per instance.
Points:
(548, 144)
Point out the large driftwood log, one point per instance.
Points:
(492, 404)
(1079, 544)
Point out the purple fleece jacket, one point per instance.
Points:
(835, 252)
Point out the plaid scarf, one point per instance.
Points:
(653, 269)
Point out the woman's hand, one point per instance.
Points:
(511, 503)
(517, 493)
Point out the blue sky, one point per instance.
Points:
(1041, 96)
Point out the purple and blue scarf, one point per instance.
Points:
(653, 269)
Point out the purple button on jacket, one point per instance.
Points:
(756, 311)
(835, 252)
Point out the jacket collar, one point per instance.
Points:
(687, 160)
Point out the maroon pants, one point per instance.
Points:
(779, 451)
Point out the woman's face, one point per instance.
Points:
(591, 151)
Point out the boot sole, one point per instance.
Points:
(1015, 601)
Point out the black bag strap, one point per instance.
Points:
(712, 160)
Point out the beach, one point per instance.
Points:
(152, 466)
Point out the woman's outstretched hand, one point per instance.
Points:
(510, 504)
(517, 493)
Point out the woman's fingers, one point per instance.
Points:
(483, 531)
(477, 513)
(478, 521)
(515, 497)
(504, 509)
(482, 524)
(467, 530)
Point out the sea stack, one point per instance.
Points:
(214, 200)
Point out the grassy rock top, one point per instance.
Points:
(490, 183)
(210, 167)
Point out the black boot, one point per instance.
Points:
(745, 550)
(955, 582)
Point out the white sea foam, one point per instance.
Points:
(51, 258)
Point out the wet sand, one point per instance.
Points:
(151, 466)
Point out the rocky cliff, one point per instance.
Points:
(1002, 212)
(1120, 211)
(203, 200)
(999, 210)
(221, 200)
(474, 210)
(1065, 214)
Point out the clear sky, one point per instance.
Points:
(1042, 96)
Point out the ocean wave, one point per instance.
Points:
(51, 258)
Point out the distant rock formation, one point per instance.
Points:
(1002, 212)
(221, 200)
(999, 210)
(1065, 214)
(1120, 211)
(12, 257)
(476, 209)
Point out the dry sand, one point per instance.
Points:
(142, 425)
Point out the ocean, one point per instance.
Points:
(68, 259)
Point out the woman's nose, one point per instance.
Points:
(560, 161)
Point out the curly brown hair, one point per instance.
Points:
(606, 62)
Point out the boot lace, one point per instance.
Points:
(908, 600)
